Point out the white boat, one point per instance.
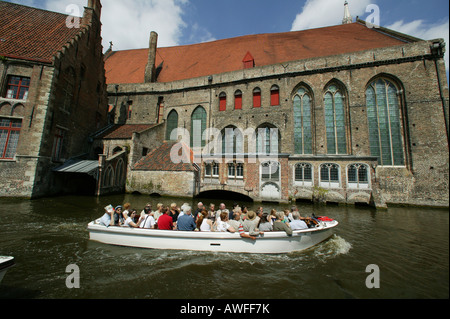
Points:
(5, 264)
(268, 243)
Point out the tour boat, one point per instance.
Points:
(5, 264)
(268, 243)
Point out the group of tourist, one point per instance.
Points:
(249, 224)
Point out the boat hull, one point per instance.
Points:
(269, 243)
(5, 264)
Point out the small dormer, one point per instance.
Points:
(249, 61)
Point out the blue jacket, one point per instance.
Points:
(186, 223)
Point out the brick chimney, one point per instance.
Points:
(150, 70)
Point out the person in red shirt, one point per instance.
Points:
(165, 222)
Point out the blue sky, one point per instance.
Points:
(128, 23)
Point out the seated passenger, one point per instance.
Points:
(165, 222)
(297, 224)
(129, 221)
(118, 216)
(186, 222)
(203, 222)
(236, 223)
(108, 218)
(250, 224)
(148, 222)
(126, 210)
(273, 216)
(279, 225)
(264, 224)
(222, 224)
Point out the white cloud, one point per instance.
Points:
(128, 23)
(321, 13)
(421, 29)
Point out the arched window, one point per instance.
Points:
(235, 170)
(303, 174)
(120, 169)
(238, 100)
(232, 140)
(108, 180)
(385, 132)
(222, 102)
(198, 126)
(330, 175)
(275, 95)
(270, 171)
(267, 139)
(171, 125)
(302, 122)
(212, 169)
(335, 120)
(358, 176)
(257, 97)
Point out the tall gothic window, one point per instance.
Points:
(232, 140)
(198, 126)
(335, 120)
(267, 140)
(383, 112)
(172, 124)
(302, 122)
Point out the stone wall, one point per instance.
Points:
(178, 184)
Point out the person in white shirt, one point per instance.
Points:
(297, 224)
(222, 225)
(129, 221)
(148, 222)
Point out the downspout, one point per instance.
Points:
(438, 49)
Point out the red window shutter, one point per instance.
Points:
(238, 102)
(275, 97)
(257, 99)
(222, 103)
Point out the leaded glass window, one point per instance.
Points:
(198, 126)
(172, 124)
(383, 112)
(302, 122)
(335, 121)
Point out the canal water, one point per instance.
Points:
(410, 247)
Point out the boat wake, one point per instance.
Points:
(332, 248)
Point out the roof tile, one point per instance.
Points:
(32, 34)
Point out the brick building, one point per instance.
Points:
(52, 97)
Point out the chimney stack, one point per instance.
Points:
(150, 70)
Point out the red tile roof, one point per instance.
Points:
(124, 131)
(159, 160)
(32, 34)
(190, 61)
